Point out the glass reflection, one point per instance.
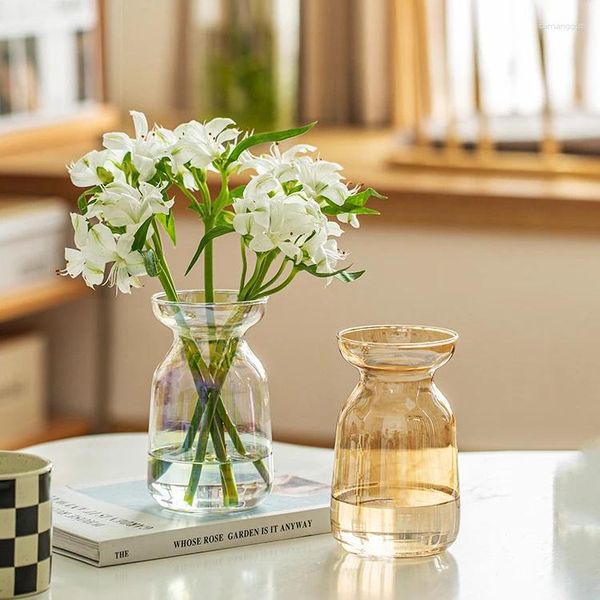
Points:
(576, 540)
(373, 579)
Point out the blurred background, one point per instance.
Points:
(480, 120)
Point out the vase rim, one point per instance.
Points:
(160, 298)
(440, 336)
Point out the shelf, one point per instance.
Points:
(82, 127)
(31, 299)
(57, 428)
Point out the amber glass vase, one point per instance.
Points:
(395, 483)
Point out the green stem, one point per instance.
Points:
(238, 444)
(278, 288)
(230, 494)
(257, 267)
(197, 206)
(205, 426)
(209, 292)
(263, 262)
(244, 266)
(276, 276)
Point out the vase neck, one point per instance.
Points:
(400, 377)
(222, 320)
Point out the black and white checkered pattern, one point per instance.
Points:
(25, 535)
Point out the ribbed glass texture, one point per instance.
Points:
(395, 485)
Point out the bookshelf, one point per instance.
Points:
(29, 300)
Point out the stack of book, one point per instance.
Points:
(33, 234)
(118, 522)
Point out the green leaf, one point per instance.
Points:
(168, 224)
(237, 192)
(151, 263)
(353, 204)
(104, 175)
(342, 274)
(225, 217)
(362, 197)
(364, 210)
(332, 210)
(263, 138)
(210, 235)
(82, 202)
(139, 239)
(348, 276)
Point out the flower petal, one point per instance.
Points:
(140, 124)
(215, 126)
(117, 140)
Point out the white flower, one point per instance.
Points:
(84, 172)
(146, 149)
(349, 218)
(322, 252)
(272, 219)
(201, 143)
(87, 260)
(122, 205)
(127, 266)
(96, 247)
(277, 164)
(320, 178)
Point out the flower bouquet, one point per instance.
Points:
(210, 437)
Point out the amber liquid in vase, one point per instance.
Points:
(395, 481)
(390, 520)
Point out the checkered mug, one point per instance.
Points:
(25, 524)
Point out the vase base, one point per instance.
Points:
(380, 528)
(250, 481)
(207, 501)
(389, 551)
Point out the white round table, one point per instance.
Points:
(508, 546)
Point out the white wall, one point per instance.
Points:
(141, 53)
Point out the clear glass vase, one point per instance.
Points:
(395, 483)
(210, 425)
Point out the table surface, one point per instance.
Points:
(508, 545)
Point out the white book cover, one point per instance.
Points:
(119, 522)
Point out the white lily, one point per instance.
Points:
(277, 164)
(253, 208)
(87, 260)
(320, 178)
(322, 252)
(146, 148)
(275, 221)
(84, 172)
(128, 266)
(105, 247)
(122, 205)
(201, 143)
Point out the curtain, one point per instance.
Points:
(345, 65)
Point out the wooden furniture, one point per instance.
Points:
(510, 545)
(56, 428)
(365, 155)
(33, 306)
(26, 303)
